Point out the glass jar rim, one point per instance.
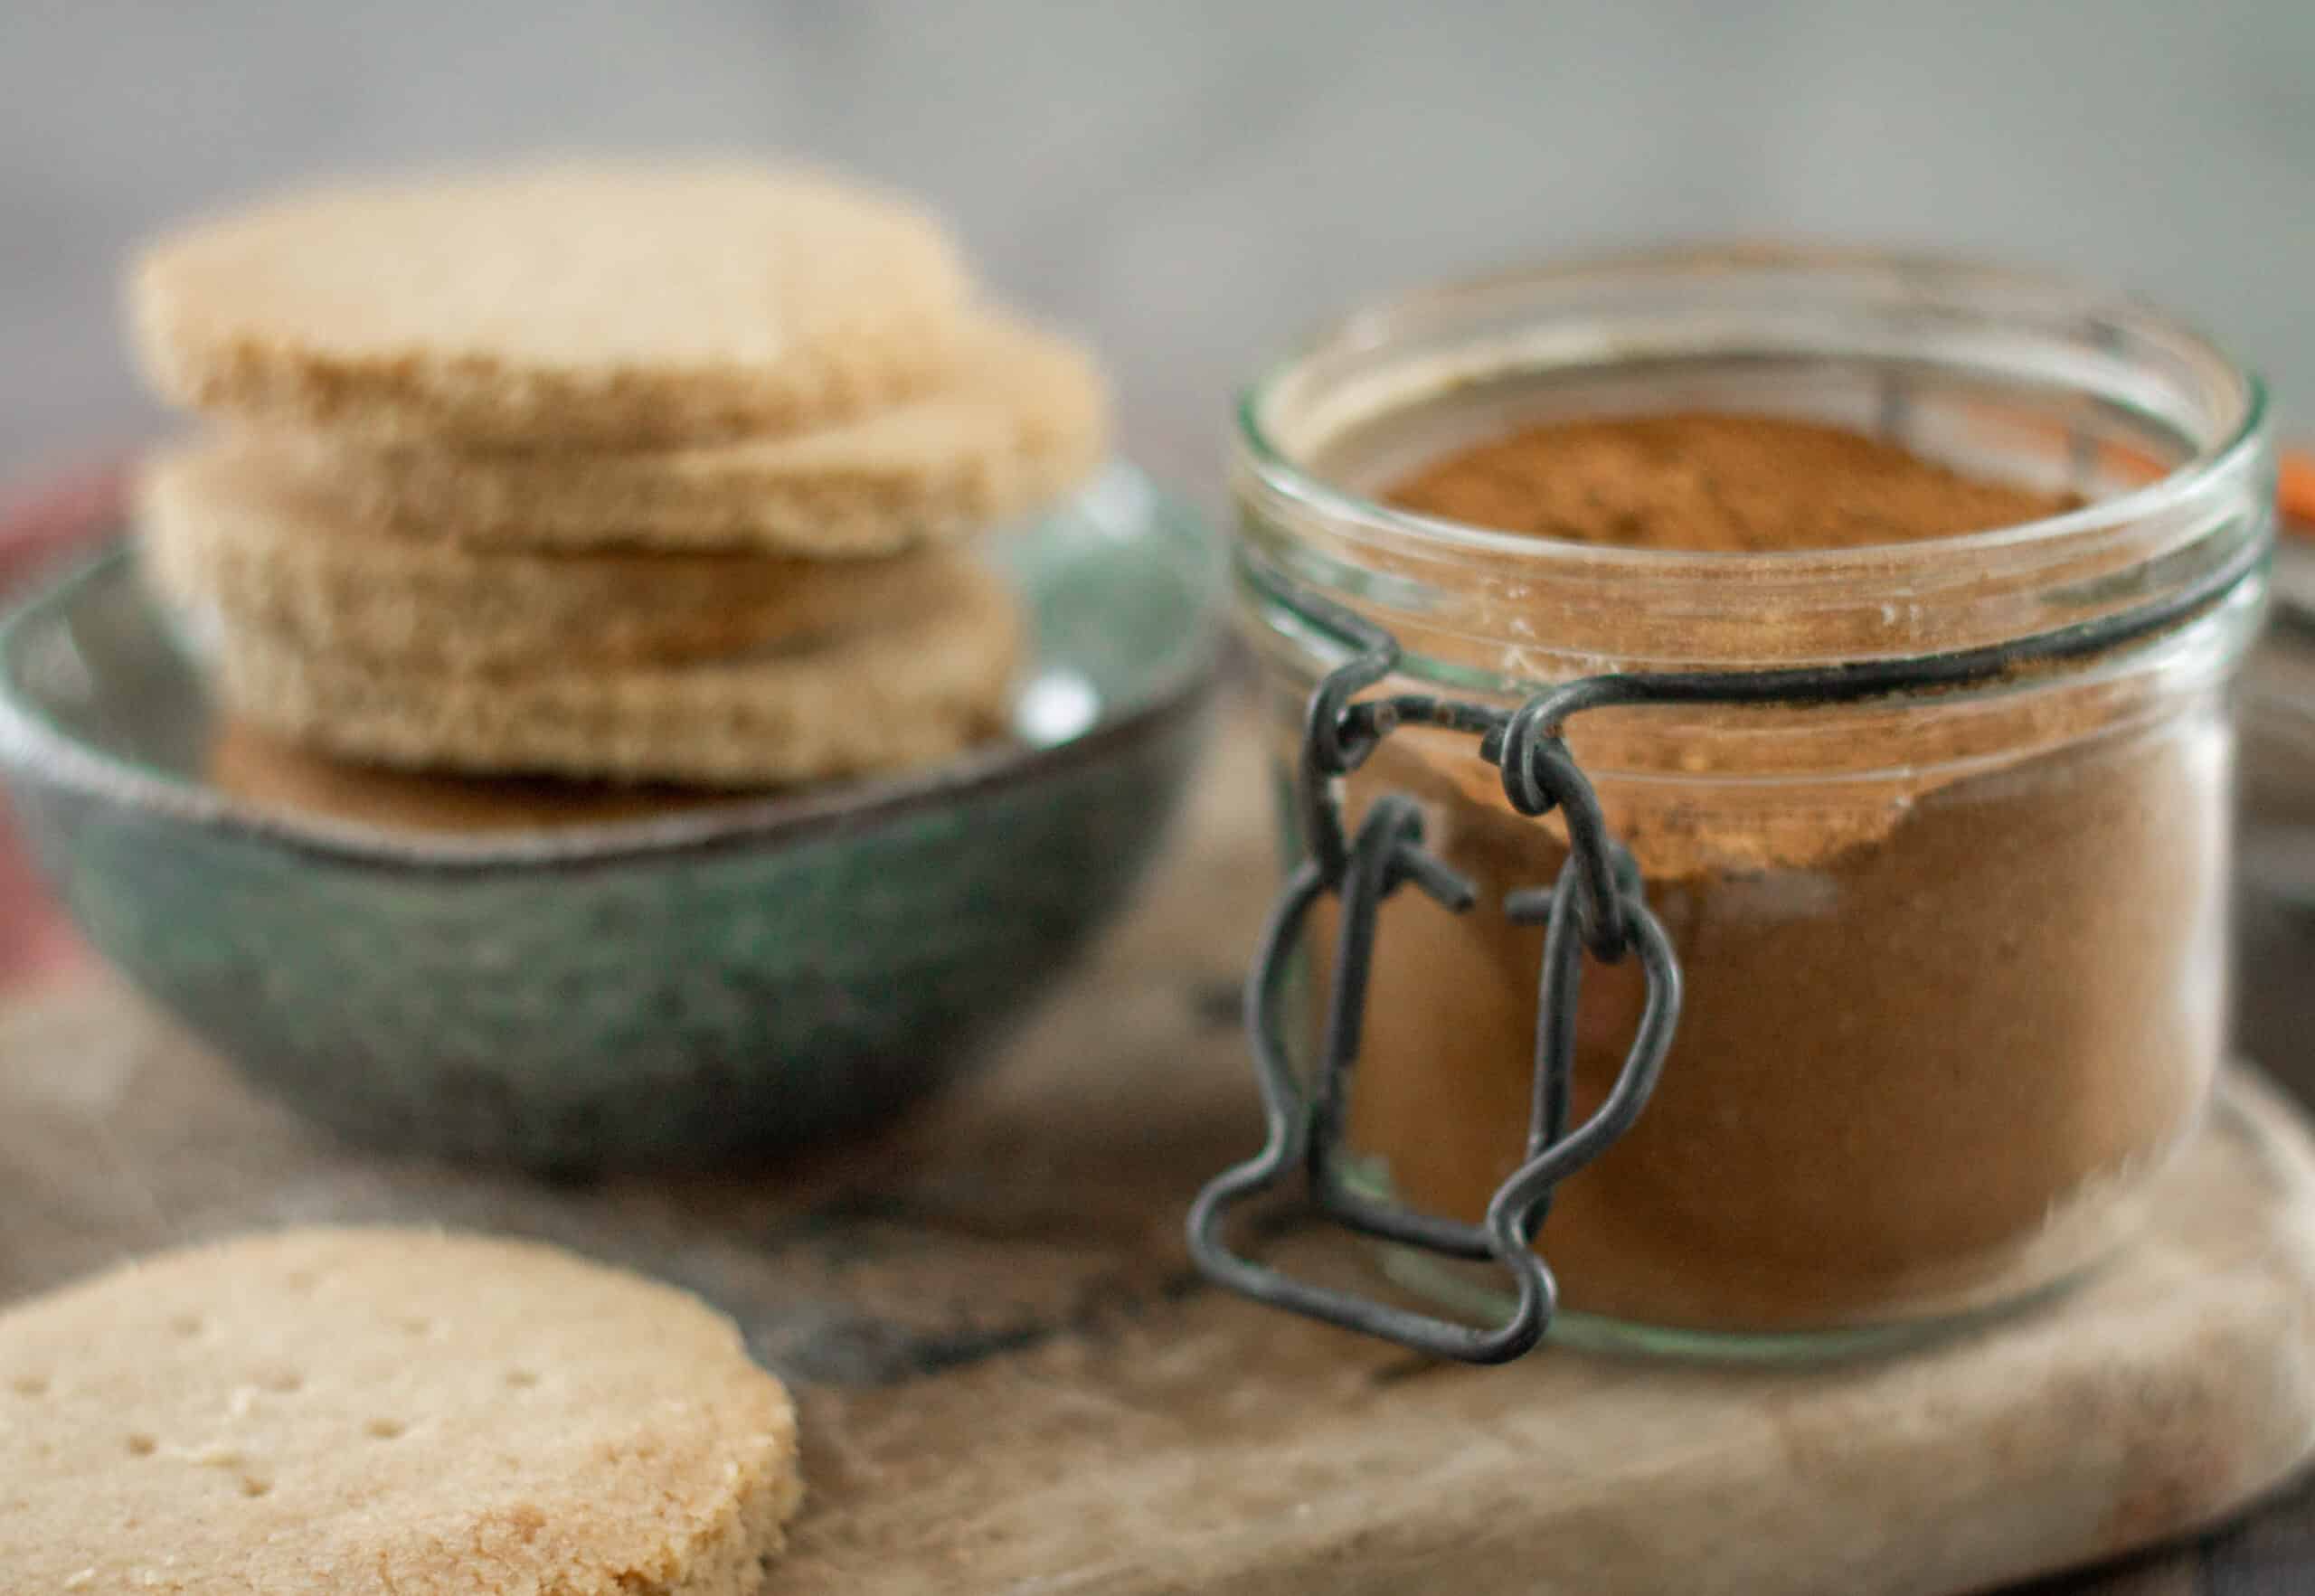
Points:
(1275, 468)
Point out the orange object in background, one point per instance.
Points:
(2295, 492)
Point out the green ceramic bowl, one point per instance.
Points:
(693, 987)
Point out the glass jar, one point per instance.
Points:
(1954, 958)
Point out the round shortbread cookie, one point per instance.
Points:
(1025, 418)
(894, 698)
(226, 531)
(611, 303)
(274, 774)
(384, 1412)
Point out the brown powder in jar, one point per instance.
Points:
(1711, 483)
(1922, 1066)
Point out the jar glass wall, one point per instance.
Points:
(1954, 961)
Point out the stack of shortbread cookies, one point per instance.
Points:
(640, 475)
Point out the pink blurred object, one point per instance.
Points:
(36, 535)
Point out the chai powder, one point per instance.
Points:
(1716, 484)
(1942, 1023)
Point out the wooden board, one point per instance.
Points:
(1011, 1380)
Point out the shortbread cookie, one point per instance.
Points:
(385, 1412)
(1025, 418)
(227, 532)
(622, 305)
(904, 695)
(274, 774)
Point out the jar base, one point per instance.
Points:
(1442, 1283)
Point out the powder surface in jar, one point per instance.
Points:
(1711, 483)
(1925, 1064)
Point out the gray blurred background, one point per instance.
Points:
(1189, 182)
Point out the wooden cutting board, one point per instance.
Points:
(1012, 1382)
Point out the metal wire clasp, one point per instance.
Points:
(1597, 903)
